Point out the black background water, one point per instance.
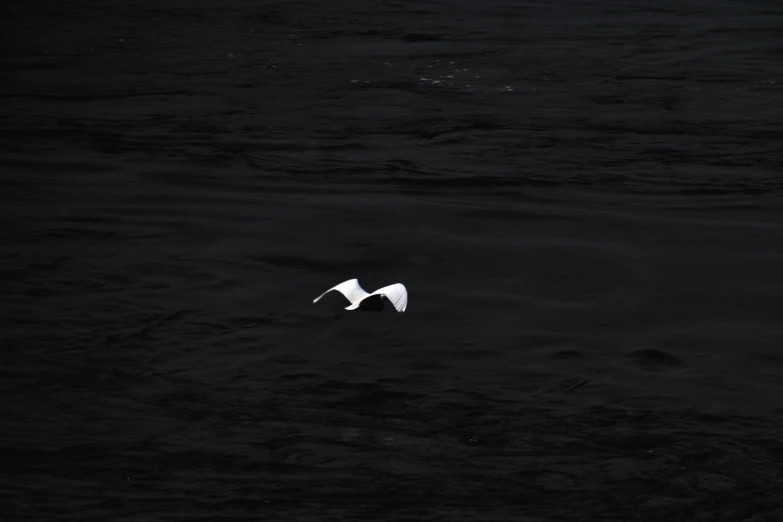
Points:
(583, 199)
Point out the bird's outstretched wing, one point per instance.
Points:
(350, 289)
(396, 293)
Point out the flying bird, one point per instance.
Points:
(396, 293)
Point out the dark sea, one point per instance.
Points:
(584, 200)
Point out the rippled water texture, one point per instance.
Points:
(583, 199)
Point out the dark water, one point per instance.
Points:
(584, 199)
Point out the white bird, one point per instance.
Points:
(396, 293)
